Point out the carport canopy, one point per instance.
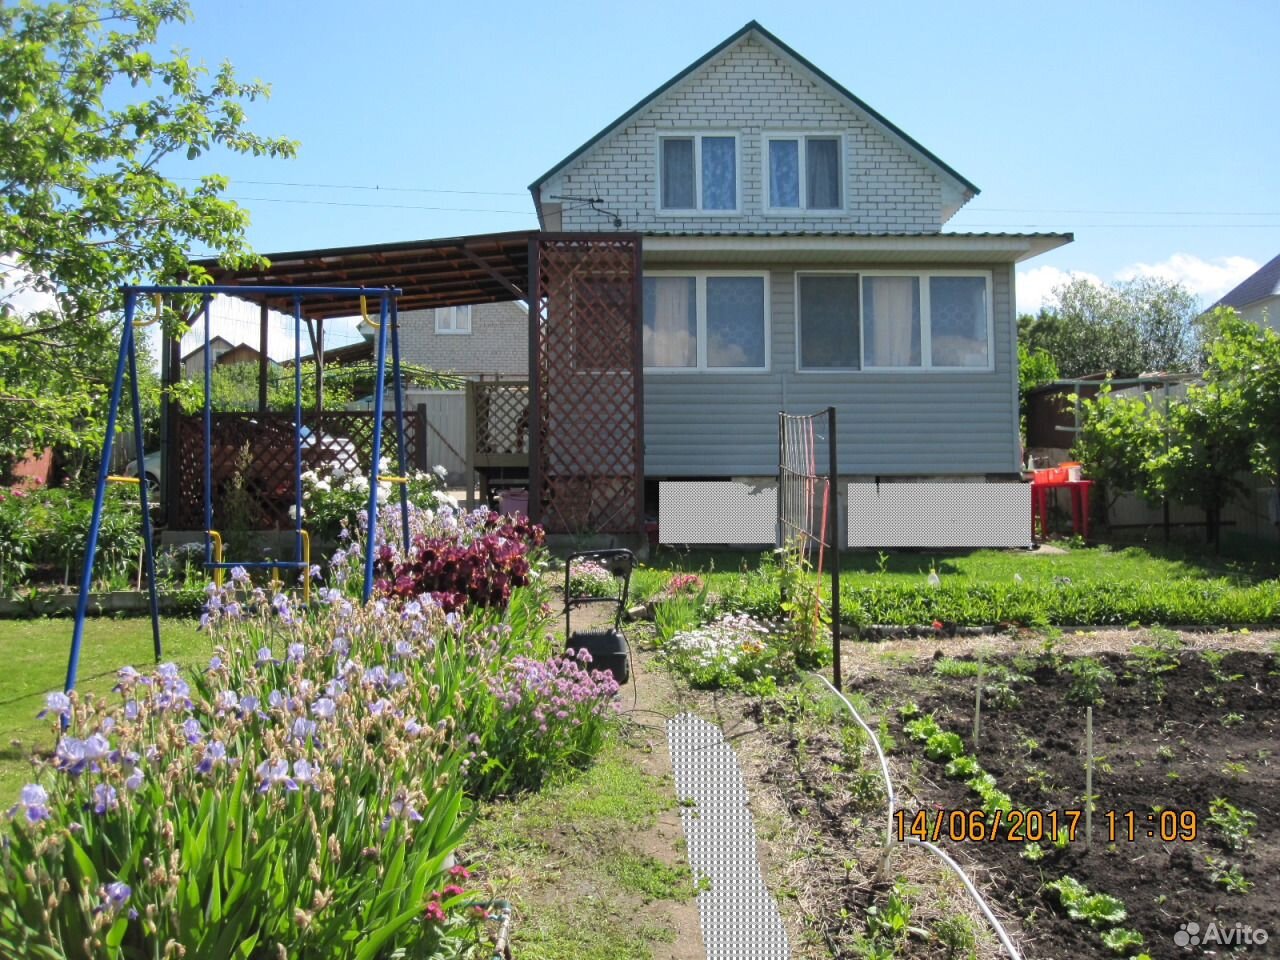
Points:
(454, 271)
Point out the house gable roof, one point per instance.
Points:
(1265, 282)
(754, 28)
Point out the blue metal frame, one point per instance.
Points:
(128, 360)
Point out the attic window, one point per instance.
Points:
(804, 172)
(698, 172)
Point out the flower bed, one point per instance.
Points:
(308, 790)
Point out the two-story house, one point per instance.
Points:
(793, 258)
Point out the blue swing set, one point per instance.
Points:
(213, 559)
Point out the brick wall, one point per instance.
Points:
(748, 89)
(498, 342)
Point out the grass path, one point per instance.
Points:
(34, 654)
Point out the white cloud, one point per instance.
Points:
(1037, 284)
(19, 288)
(1207, 279)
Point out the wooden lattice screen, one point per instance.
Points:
(253, 462)
(588, 472)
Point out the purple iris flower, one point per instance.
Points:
(401, 810)
(239, 575)
(275, 773)
(302, 771)
(105, 799)
(34, 800)
(56, 703)
(117, 895)
(303, 728)
(192, 730)
(215, 754)
(324, 708)
(297, 652)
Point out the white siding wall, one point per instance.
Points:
(749, 90)
(917, 424)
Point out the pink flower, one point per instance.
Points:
(434, 913)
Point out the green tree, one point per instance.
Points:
(88, 113)
(1035, 369)
(1207, 451)
(1247, 355)
(1119, 436)
(1125, 328)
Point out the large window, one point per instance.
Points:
(714, 321)
(804, 172)
(894, 321)
(698, 172)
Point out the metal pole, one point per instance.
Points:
(99, 495)
(148, 539)
(782, 426)
(208, 437)
(297, 432)
(835, 541)
(422, 439)
(379, 388)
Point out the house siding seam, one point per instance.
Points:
(750, 90)
(498, 342)
(890, 424)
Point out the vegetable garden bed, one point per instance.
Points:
(1183, 745)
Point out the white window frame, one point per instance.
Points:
(802, 211)
(700, 307)
(696, 136)
(452, 327)
(926, 324)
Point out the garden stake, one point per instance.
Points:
(977, 703)
(1088, 776)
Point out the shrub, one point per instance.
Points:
(734, 651)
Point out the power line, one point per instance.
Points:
(375, 187)
(1133, 213)
(383, 206)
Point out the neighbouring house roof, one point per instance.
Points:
(454, 271)
(1258, 286)
(786, 52)
(212, 342)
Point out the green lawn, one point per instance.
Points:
(34, 653)
(1132, 564)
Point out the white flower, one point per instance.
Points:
(440, 472)
(293, 512)
(442, 497)
(322, 486)
(338, 472)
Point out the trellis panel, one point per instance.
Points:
(253, 462)
(588, 470)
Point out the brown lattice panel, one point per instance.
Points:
(501, 417)
(590, 464)
(254, 462)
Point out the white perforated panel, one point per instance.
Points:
(939, 515)
(716, 511)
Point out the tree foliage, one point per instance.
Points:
(88, 113)
(1035, 369)
(1198, 449)
(1127, 328)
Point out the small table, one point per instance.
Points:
(1079, 505)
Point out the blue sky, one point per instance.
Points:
(1142, 128)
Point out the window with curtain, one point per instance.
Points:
(735, 321)
(829, 335)
(891, 321)
(670, 322)
(705, 322)
(698, 172)
(804, 173)
(958, 321)
(453, 319)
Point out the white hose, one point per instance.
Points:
(1001, 933)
